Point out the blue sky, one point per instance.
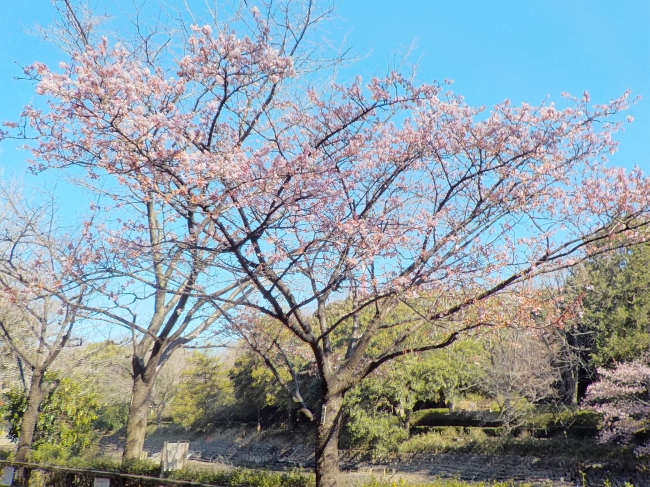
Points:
(522, 50)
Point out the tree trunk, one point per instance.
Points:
(30, 417)
(407, 423)
(327, 444)
(290, 418)
(136, 426)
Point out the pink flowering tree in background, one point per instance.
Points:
(302, 192)
(622, 396)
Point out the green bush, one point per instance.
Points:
(237, 477)
(568, 421)
(50, 453)
(66, 416)
(380, 433)
(246, 477)
(476, 441)
(112, 417)
(448, 439)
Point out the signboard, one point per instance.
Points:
(7, 476)
(100, 482)
(174, 455)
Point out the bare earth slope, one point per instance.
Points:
(280, 450)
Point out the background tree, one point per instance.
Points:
(255, 387)
(617, 305)
(66, 417)
(622, 396)
(519, 374)
(614, 322)
(42, 287)
(379, 409)
(166, 387)
(203, 392)
(284, 357)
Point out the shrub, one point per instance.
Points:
(240, 477)
(66, 415)
(246, 477)
(380, 433)
(112, 417)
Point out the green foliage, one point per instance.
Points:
(233, 477)
(380, 409)
(378, 432)
(66, 415)
(13, 408)
(112, 417)
(246, 477)
(446, 440)
(254, 385)
(480, 441)
(203, 392)
(566, 420)
(616, 303)
(50, 453)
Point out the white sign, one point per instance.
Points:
(174, 454)
(7, 476)
(100, 482)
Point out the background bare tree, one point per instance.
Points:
(520, 374)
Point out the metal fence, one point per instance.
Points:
(37, 475)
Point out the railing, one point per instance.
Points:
(38, 475)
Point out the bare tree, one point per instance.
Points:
(520, 374)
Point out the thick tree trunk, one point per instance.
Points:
(136, 426)
(327, 445)
(30, 417)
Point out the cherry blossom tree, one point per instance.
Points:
(42, 290)
(152, 247)
(157, 284)
(622, 396)
(296, 192)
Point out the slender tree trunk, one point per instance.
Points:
(30, 417)
(136, 426)
(327, 444)
(290, 418)
(407, 425)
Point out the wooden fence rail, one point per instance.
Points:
(39, 475)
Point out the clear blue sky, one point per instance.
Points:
(522, 50)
